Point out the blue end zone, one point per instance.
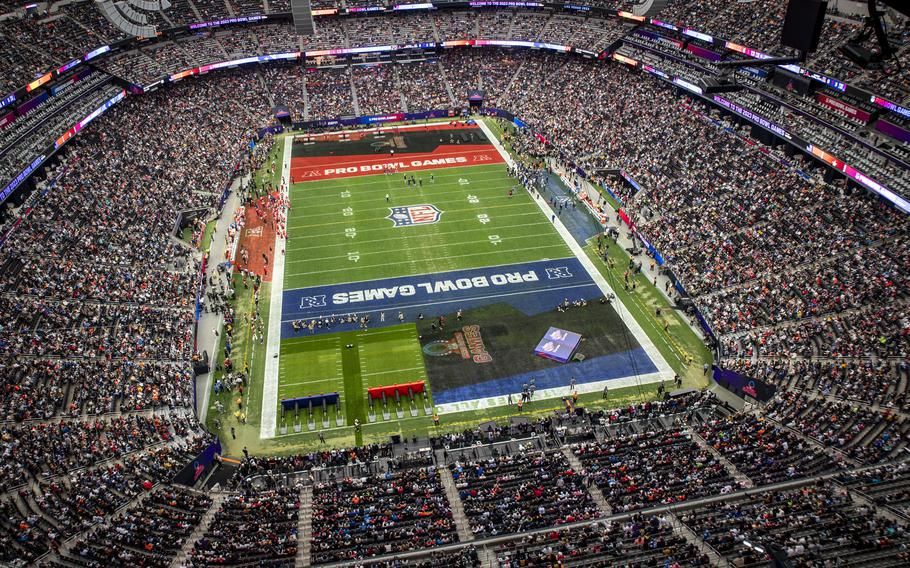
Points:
(613, 366)
(533, 288)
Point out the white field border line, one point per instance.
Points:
(556, 392)
(486, 228)
(391, 129)
(311, 381)
(269, 415)
(391, 159)
(664, 372)
(453, 301)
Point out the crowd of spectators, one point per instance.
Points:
(377, 89)
(764, 451)
(423, 87)
(865, 381)
(863, 434)
(651, 468)
(888, 485)
(640, 541)
(248, 528)
(813, 526)
(329, 91)
(526, 490)
(149, 535)
(394, 512)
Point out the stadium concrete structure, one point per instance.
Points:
(271, 300)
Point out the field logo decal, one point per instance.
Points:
(408, 215)
(312, 302)
(466, 342)
(558, 272)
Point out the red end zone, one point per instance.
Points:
(446, 156)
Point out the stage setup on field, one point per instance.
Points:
(558, 345)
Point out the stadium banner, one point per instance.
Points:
(8, 100)
(841, 106)
(31, 104)
(201, 465)
(497, 112)
(655, 254)
(7, 119)
(893, 130)
(743, 386)
(373, 119)
(622, 215)
(629, 181)
(263, 132)
(704, 53)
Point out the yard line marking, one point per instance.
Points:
(491, 191)
(424, 247)
(372, 333)
(439, 183)
(390, 372)
(472, 298)
(428, 260)
(314, 339)
(285, 385)
(349, 242)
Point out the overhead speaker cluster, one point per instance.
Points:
(302, 11)
(803, 25)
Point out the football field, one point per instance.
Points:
(416, 266)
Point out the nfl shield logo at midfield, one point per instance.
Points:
(408, 215)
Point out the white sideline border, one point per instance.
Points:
(664, 371)
(269, 414)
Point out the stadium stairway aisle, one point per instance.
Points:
(681, 529)
(461, 521)
(593, 489)
(578, 221)
(201, 529)
(304, 526)
(731, 469)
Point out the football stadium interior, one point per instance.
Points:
(466, 284)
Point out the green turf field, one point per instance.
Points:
(340, 233)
